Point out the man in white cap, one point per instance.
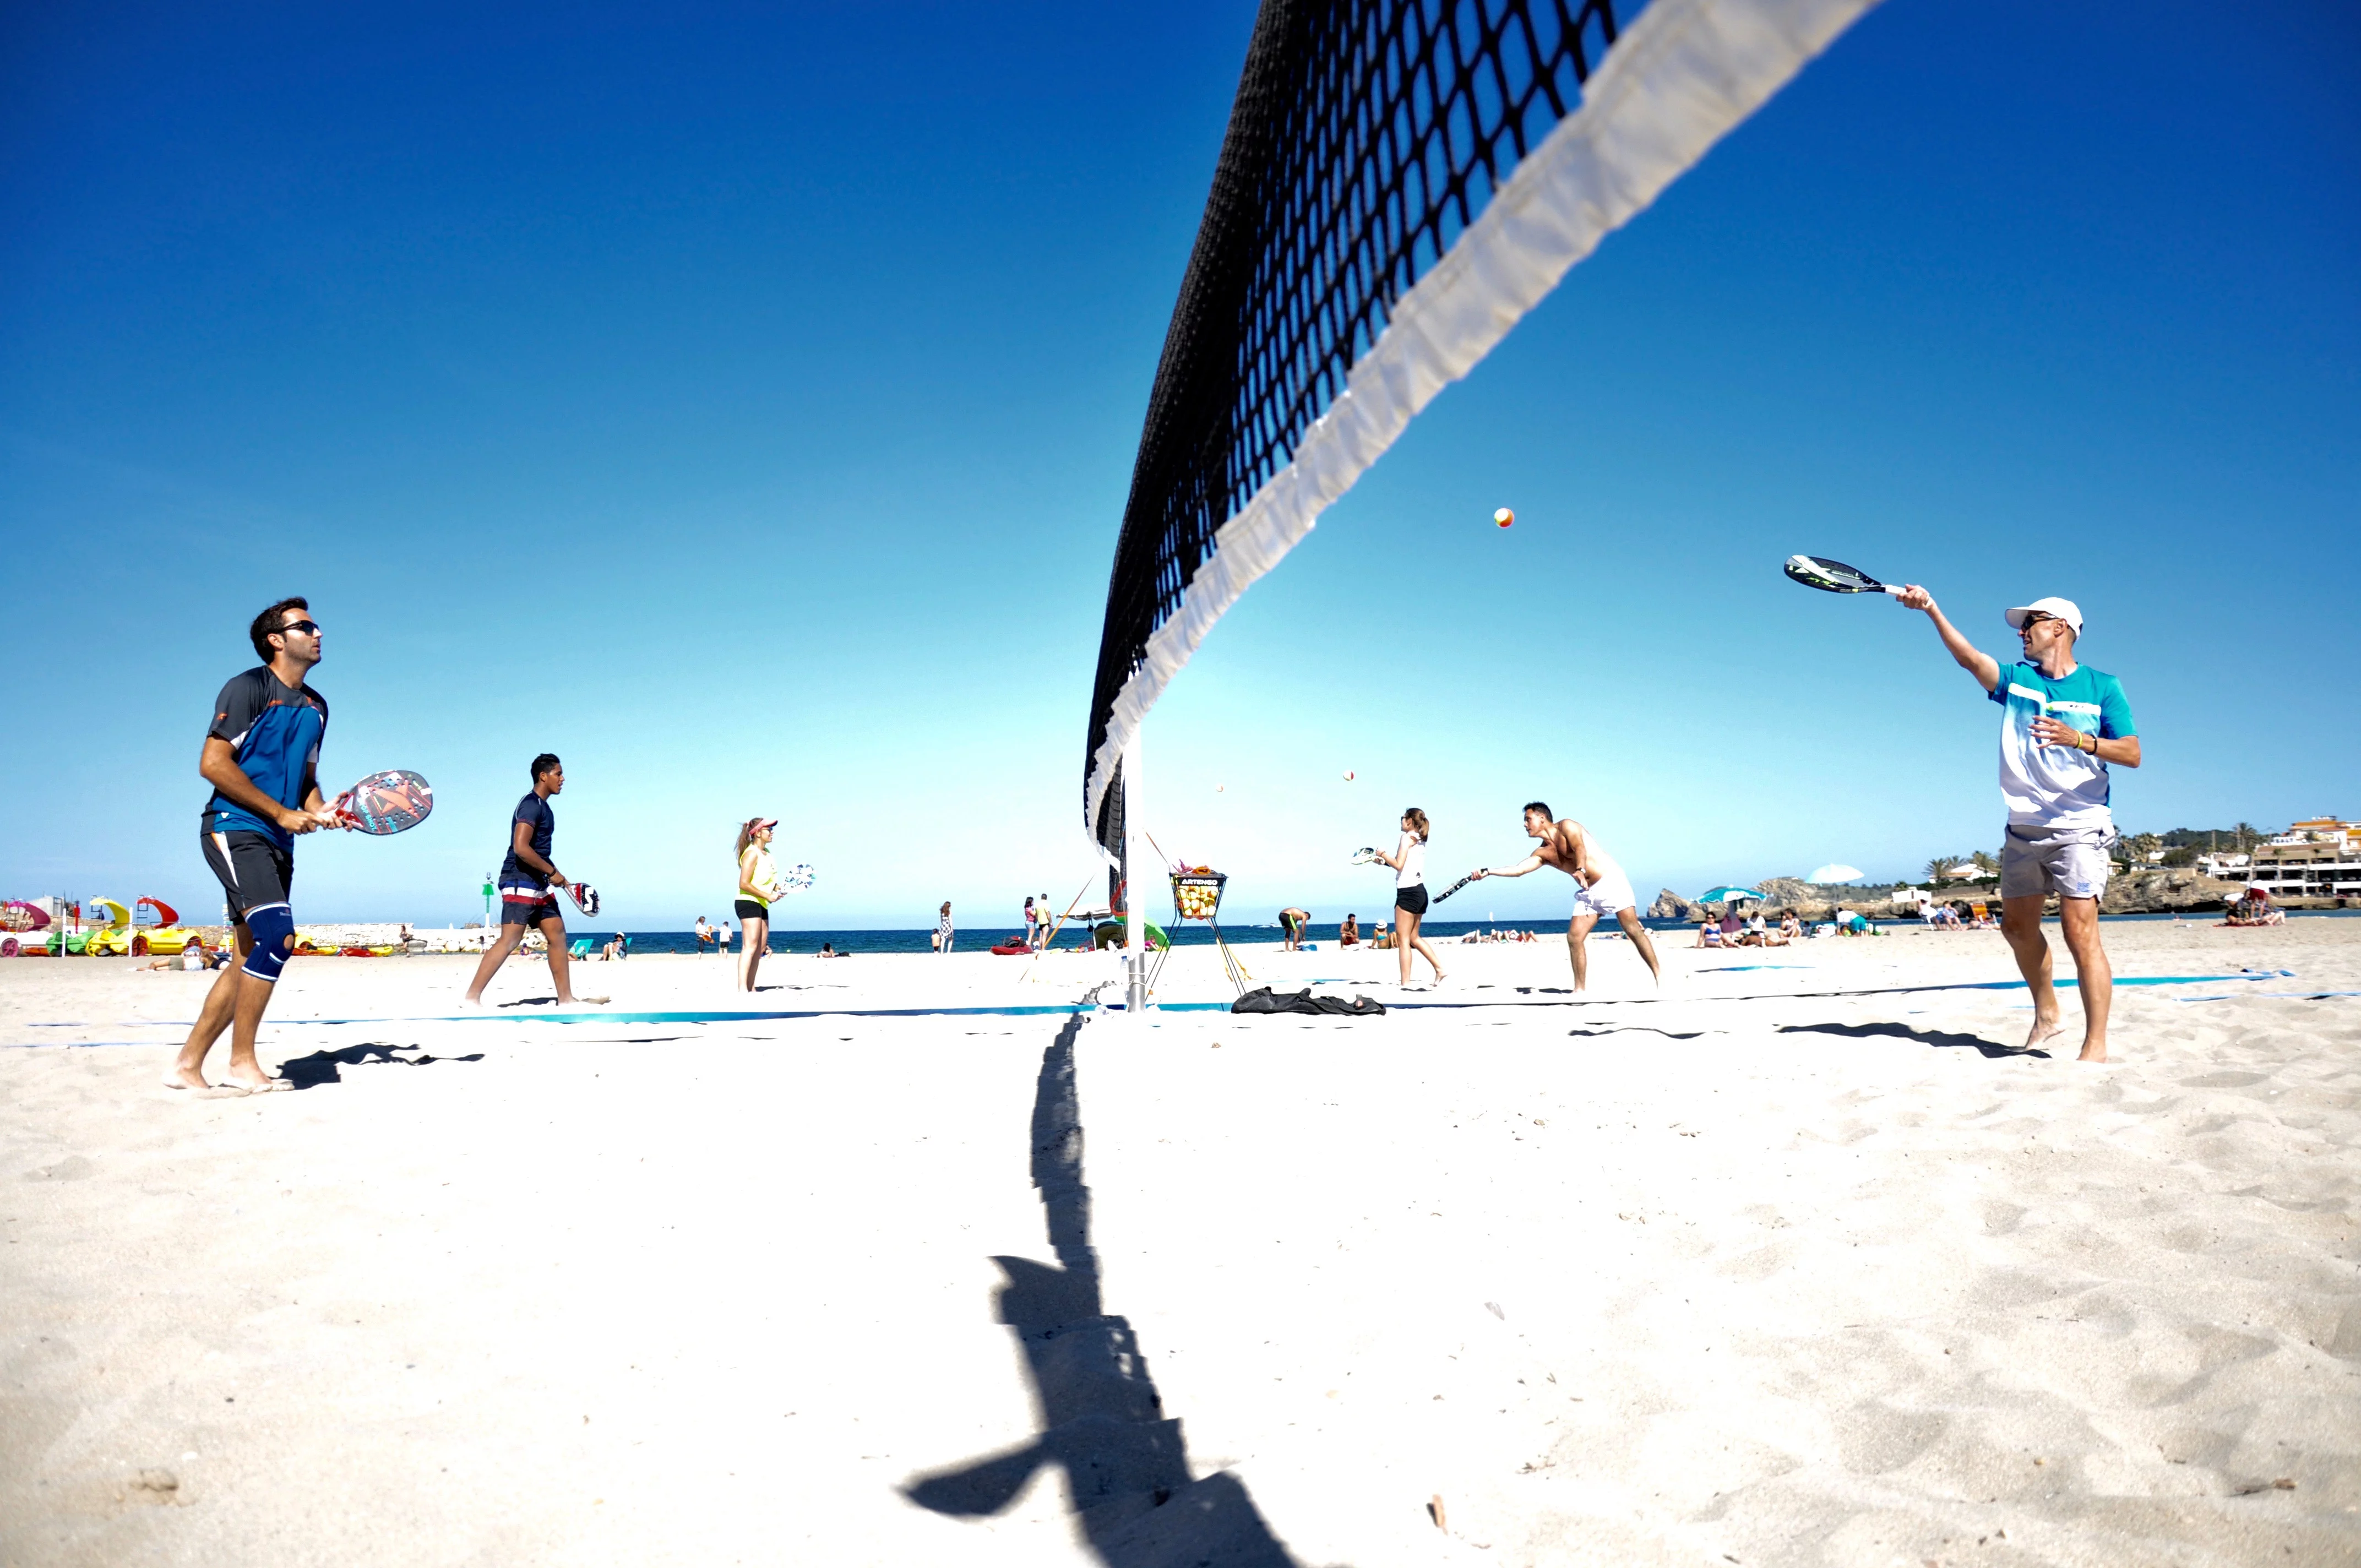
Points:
(2065, 724)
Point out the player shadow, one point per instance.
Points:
(1942, 1040)
(1103, 1423)
(1635, 1029)
(325, 1067)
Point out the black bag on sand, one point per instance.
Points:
(1261, 1000)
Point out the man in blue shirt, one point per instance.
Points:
(527, 874)
(2063, 725)
(262, 757)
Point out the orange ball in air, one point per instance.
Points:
(1504, 517)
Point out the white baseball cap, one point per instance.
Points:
(2066, 611)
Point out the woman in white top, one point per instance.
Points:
(943, 933)
(1409, 862)
(758, 884)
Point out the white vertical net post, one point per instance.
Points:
(1137, 866)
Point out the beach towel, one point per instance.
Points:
(1261, 1000)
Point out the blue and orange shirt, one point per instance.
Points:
(275, 729)
(2058, 787)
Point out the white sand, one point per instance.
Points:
(1793, 1279)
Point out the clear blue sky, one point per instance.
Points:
(739, 401)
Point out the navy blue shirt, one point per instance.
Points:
(533, 811)
(275, 731)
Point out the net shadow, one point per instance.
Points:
(1942, 1040)
(1125, 1462)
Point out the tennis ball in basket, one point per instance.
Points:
(1504, 517)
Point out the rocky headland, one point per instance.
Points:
(2158, 891)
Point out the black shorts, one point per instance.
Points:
(1411, 900)
(252, 867)
(750, 910)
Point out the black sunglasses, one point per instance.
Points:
(311, 628)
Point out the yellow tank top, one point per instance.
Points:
(756, 869)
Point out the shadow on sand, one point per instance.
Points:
(327, 1067)
(1942, 1040)
(1127, 1465)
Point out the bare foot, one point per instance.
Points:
(2094, 1050)
(258, 1083)
(192, 1082)
(2043, 1028)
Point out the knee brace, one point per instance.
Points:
(273, 929)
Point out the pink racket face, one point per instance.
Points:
(389, 802)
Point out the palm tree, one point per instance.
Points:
(1935, 870)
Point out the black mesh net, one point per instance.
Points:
(1366, 134)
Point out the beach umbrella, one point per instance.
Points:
(1835, 873)
(1724, 894)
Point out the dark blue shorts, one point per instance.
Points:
(524, 905)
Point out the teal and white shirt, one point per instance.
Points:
(2053, 787)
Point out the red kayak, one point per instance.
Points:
(1012, 950)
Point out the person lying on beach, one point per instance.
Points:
(828, 950)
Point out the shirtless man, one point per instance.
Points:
(1291, 922)
(1601, 887)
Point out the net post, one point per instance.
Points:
(1135, 956)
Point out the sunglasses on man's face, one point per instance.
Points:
(309, 628)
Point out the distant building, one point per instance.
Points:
(2317, 858)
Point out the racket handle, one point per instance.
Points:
(1890, 588)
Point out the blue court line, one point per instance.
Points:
(1042, 1009)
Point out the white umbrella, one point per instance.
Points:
(1835, 873)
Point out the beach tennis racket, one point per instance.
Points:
(392, 802)
(586, 897)
(797, 878)
(1455, 887)
(1835, 577)
(1365, 857)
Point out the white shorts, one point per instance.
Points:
(1605, 897)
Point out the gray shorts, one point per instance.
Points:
(2069, 862)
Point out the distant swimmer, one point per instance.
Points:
(526, 876)
(262, 757)
(1600, 887)
(1292, 925)
(2064, 725)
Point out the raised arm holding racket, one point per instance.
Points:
(2064, 725)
